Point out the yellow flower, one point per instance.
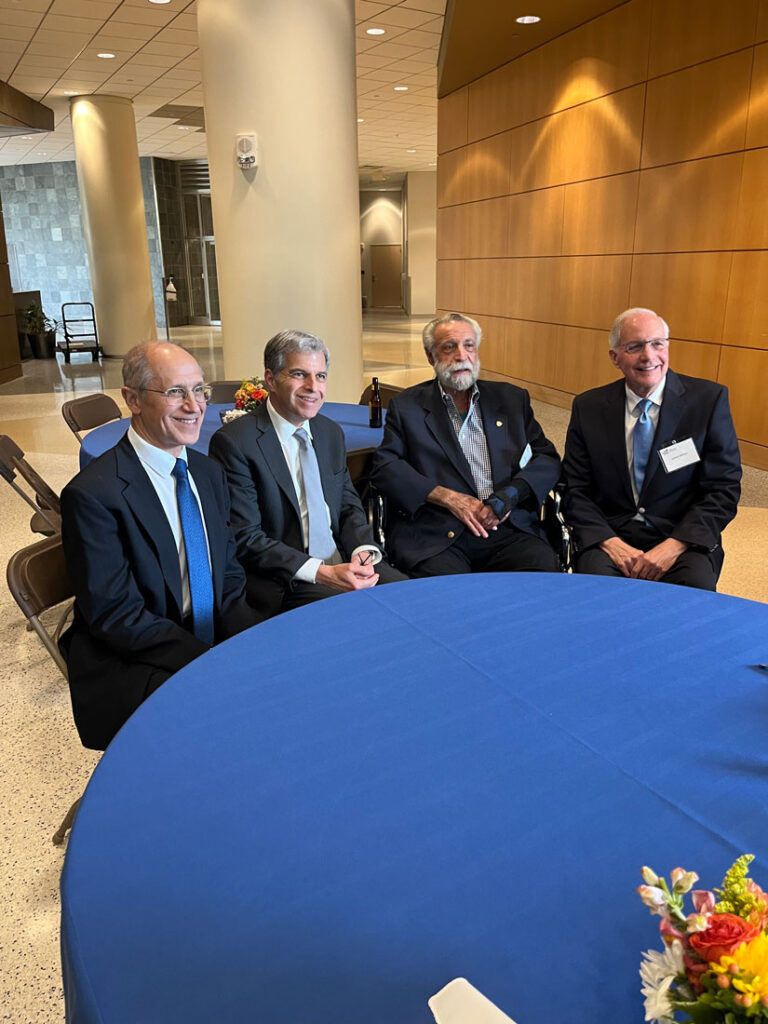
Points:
(749, 966)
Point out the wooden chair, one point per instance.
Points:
(41, 498)
(38, 581)
(88, 412)
(387, 391)
(223, 391)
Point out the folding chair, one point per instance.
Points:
(387, 391)
(223, 391)
(38, 581)
(45, 504)
(88, 412)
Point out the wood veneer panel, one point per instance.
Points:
(473, 230)
(451, 185)
(596, 139)
(698, 112)
(487, 286)
(450, 232)
(599, 215)
(744, 371)
(753, 454)
(594, 290)
(695, 358)
(762, 22)
(689, 206)
(479, 171)
(687, 289)
(686, 32)
(450, 284)
(9, 346)
(752, 218)
(757, 120)
(452, 120)
(746, 314)
(494, 341)
(530, 351)
(536, 223)
(582, 360)
(600, 57)
(534, 290)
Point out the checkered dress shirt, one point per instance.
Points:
(471, 435)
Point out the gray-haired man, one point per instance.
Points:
(301, 530)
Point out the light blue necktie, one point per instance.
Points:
(642, 439)
(321, 542)
(198, 569)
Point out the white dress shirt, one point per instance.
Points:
(158, 466)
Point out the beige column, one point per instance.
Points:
(421, 239)
(287, 234)
(112, 203)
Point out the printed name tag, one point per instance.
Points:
(679, 454)
(525, 458)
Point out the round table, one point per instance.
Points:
(353, 420)
(327, 818)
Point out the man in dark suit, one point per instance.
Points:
(464, 466)
(301, 530)
(651, 464)
(155, 583)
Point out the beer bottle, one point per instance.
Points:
(374, 405)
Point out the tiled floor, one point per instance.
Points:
(43, 767)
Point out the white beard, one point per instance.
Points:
(444, 373)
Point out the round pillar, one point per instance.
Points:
(112, 204)
(287, 233)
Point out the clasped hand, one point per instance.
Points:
(643, 565)
(355, 575)
(475, 514)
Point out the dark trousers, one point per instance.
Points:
(504, 550)
(694, 568)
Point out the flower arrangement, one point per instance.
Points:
(714, 966)
(248, 396)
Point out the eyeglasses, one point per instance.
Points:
(179, 395)
(655, 345)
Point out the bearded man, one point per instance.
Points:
(464, 466)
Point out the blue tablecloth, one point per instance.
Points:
(326, 819)
(353, 420)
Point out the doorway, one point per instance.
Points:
(386, 276)
(201, 259)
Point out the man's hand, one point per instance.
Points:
(479, 517)
(622, 555)
(354, 575)
(652, 564)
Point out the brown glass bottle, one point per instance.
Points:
(374, 405)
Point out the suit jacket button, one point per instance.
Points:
(451, 535)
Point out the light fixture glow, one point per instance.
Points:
(400, 88)
(70, 92)
(375, 31)
(159, 1)
(410, 151)
(528, 19)
(182, 127)
(361, 120)
(105, 56)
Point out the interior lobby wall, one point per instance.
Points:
(381, 223)
(621, 164)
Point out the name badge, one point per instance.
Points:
(678, 455)
(525, 458)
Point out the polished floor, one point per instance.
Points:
(43, 766)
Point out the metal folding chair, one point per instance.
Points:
(41, 498)
(38, 581)
(88, 412)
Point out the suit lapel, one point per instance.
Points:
(615, 435)
(495, 419)
(141, 498)
(672, 407)
(438, 423)
(272, 450)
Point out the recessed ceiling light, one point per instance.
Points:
(159, 1)
(105, 56)
(528, 19)
(26, 136)
(410, 151)
(432, 165)
(400, 88)
(182, 127)
(70, 92)
(361, 120)
(375, 31)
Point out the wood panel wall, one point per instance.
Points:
(10, 359)
(622, 164)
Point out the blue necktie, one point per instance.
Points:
(198, 569)
(642, 439)
(321, 542)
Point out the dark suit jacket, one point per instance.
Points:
(265, 510)
(692, 504)
(420, 451)
(127, 636)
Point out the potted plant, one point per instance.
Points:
(40, 331)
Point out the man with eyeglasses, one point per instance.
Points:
(652, 467)
(148, 547)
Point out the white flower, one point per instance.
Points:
(657, 972)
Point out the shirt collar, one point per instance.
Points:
(283, 428)
(160, 461)
(655, 397)
(474, 394)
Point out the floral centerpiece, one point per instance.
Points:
(714, 967)
(248, 396)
